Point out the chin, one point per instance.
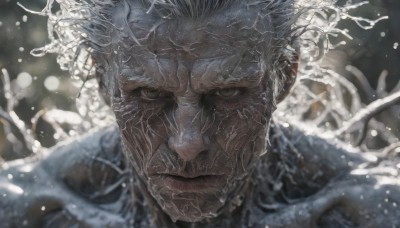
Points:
(191, 215)
(191, 218)
(190, 207)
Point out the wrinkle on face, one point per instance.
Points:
(191, 129)
(182, 43)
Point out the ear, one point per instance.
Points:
(288, 79)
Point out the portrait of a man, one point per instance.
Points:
(193, 85)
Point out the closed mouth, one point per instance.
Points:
(189, 176)
(194, 183)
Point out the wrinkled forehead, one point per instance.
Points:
(239, 26)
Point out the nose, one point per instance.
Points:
(189, 141)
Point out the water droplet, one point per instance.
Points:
(17, 23)
(383, 34)
(21, 49)
(374, 133)
(24, 80)
(20, 60)
(43, 208)
(10, 176)
(24, 18)
(394, 204)
(51, 83)
(32, 108)
(385, 211)
(1, 23)
(395, 45)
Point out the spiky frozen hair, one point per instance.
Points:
(80, 31)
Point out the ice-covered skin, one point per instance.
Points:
(84, 183)
(173, 123)
(193, 102)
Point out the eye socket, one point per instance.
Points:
(152, 94)
(228, 92)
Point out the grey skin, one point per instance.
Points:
(194, 146)
(87, 182)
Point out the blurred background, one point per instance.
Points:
(36, 83)
(371, 60)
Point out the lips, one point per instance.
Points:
(198, 183)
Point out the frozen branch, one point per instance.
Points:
(23, 143)
(360, 120)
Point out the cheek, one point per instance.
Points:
(142, 128)
(242, 132)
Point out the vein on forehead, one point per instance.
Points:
(211, 48)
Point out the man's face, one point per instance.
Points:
(193, 104)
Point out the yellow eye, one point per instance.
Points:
(228, 92)
(150, 93)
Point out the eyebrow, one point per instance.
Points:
(127, 80)
(249, 77)
(245, 82)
